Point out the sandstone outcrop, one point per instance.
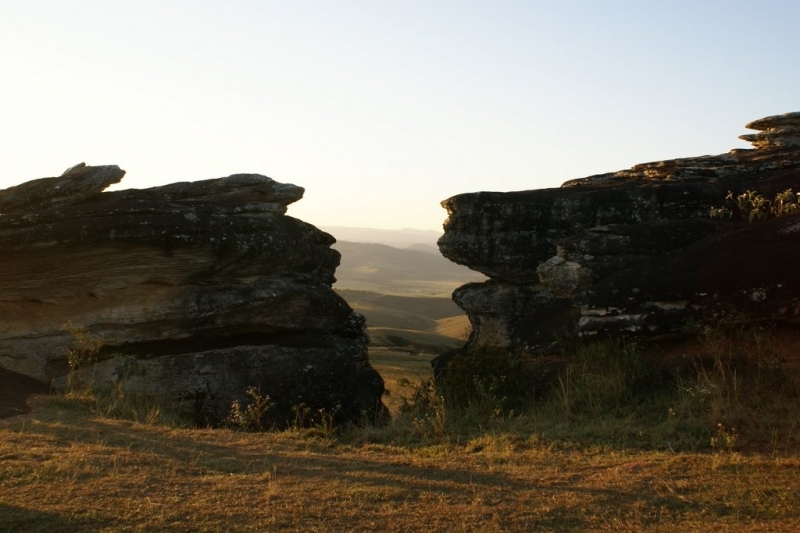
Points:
(782, 131)
(197, 291)
(634, 252)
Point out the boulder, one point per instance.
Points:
(633, 252)
(75, 184)
(205, 289)
(779, 131)
(517, 317)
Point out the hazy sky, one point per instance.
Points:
(381, 109)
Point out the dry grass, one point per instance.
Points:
(398, 287)
(66, 468)
(457, 327)
(419, 323)
(413, 340)
(401, 371)
(432, 308)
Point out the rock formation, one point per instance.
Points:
(196, 291)
(634, 252)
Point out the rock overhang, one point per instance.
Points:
(606, 230)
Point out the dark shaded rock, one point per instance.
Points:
(633, 252)
(15, 389)
(588, 257)
(75, 184)
(744, 274)
(507, 235)
(516, 317)
(207, 286)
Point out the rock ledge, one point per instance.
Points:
(633, 252)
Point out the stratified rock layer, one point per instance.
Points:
(198, 292)
(633, 252)
(780, 131)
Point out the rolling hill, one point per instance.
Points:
(388, 270)
(404, 293)
(415, 323)
(399, 238)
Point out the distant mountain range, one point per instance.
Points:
(424, 240)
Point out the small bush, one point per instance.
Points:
(253, 416)
(743, 383)
(81, 354)
(753, 207)
(484, 379)
(117, 402)
(605, 378)
(425, 410)
(322, 421)
(734, 392)
(110, 399)
(399, 341)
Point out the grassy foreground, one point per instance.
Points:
(70, 468)
(67, 470)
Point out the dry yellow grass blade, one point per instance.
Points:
(67, 470)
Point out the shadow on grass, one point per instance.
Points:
(19, 520)
(378, 476)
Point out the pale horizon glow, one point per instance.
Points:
(381, 110)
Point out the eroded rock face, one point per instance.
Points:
(633, 252)
(75, 184)
(746, 273)
(780, 131)
(205, 288)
